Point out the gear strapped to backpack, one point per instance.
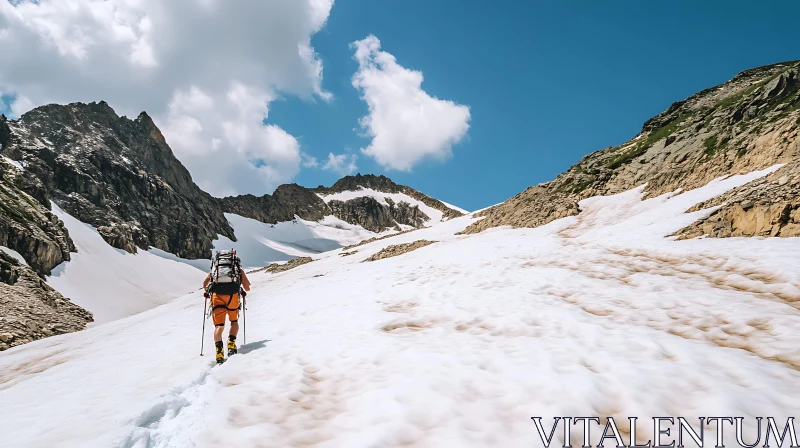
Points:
(226, 273)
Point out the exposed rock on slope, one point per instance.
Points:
(384, 184)
(26, 224)
(374, 216)
(748, 123)
(286, 202)
(399, 249)
(118, 175)
(275, 268)
(365, 211)
(377, 238)
(769, 206)
(30, 310)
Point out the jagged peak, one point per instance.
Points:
(354, 182)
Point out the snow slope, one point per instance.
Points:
(435, 215)
(112, 283)
(260, 244)
(14, 254)
(455, 344)
(13, 162)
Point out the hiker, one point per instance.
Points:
(223, 285)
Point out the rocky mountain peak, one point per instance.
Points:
(118, 175)
(353, 183)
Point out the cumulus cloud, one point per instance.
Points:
(342, 164)
(406, 124)
(205, 70)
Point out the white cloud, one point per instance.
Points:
(406, 124)
(205, 70)
(309, 161)
(342, 164)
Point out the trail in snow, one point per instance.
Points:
(455, 344)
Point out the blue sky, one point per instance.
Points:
(546, 82)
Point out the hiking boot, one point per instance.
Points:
(220, 353)
(232, 345)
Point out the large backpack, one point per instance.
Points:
(226, 273)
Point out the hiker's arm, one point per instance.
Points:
(245, 282)
(205, 282)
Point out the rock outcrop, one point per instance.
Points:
(769, 206)
(275, 268)
(376, 238)
(746, 124)
(117, 174)
(282, 205)
(26, 223)
(30, 309)
(398, 249)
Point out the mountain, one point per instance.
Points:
(116, 174)
(372, 202)
(748, 123)
(29, 308)
(115, 182)
(597, 286)
(457, 343)
(120, 176)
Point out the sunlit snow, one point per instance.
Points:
(14, 254)
(455, 344)
(112, 283)
(260, 244)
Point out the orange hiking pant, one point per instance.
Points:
(224, 304)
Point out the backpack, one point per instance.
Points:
(226, 273)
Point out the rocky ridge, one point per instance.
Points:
(293, 200)
(748, 123)
(117, 174)
(30, 309)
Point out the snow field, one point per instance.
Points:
(260, 244)
(112, 283)
(455, 344)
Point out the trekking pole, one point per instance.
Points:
(203, 337)
(244, 319)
